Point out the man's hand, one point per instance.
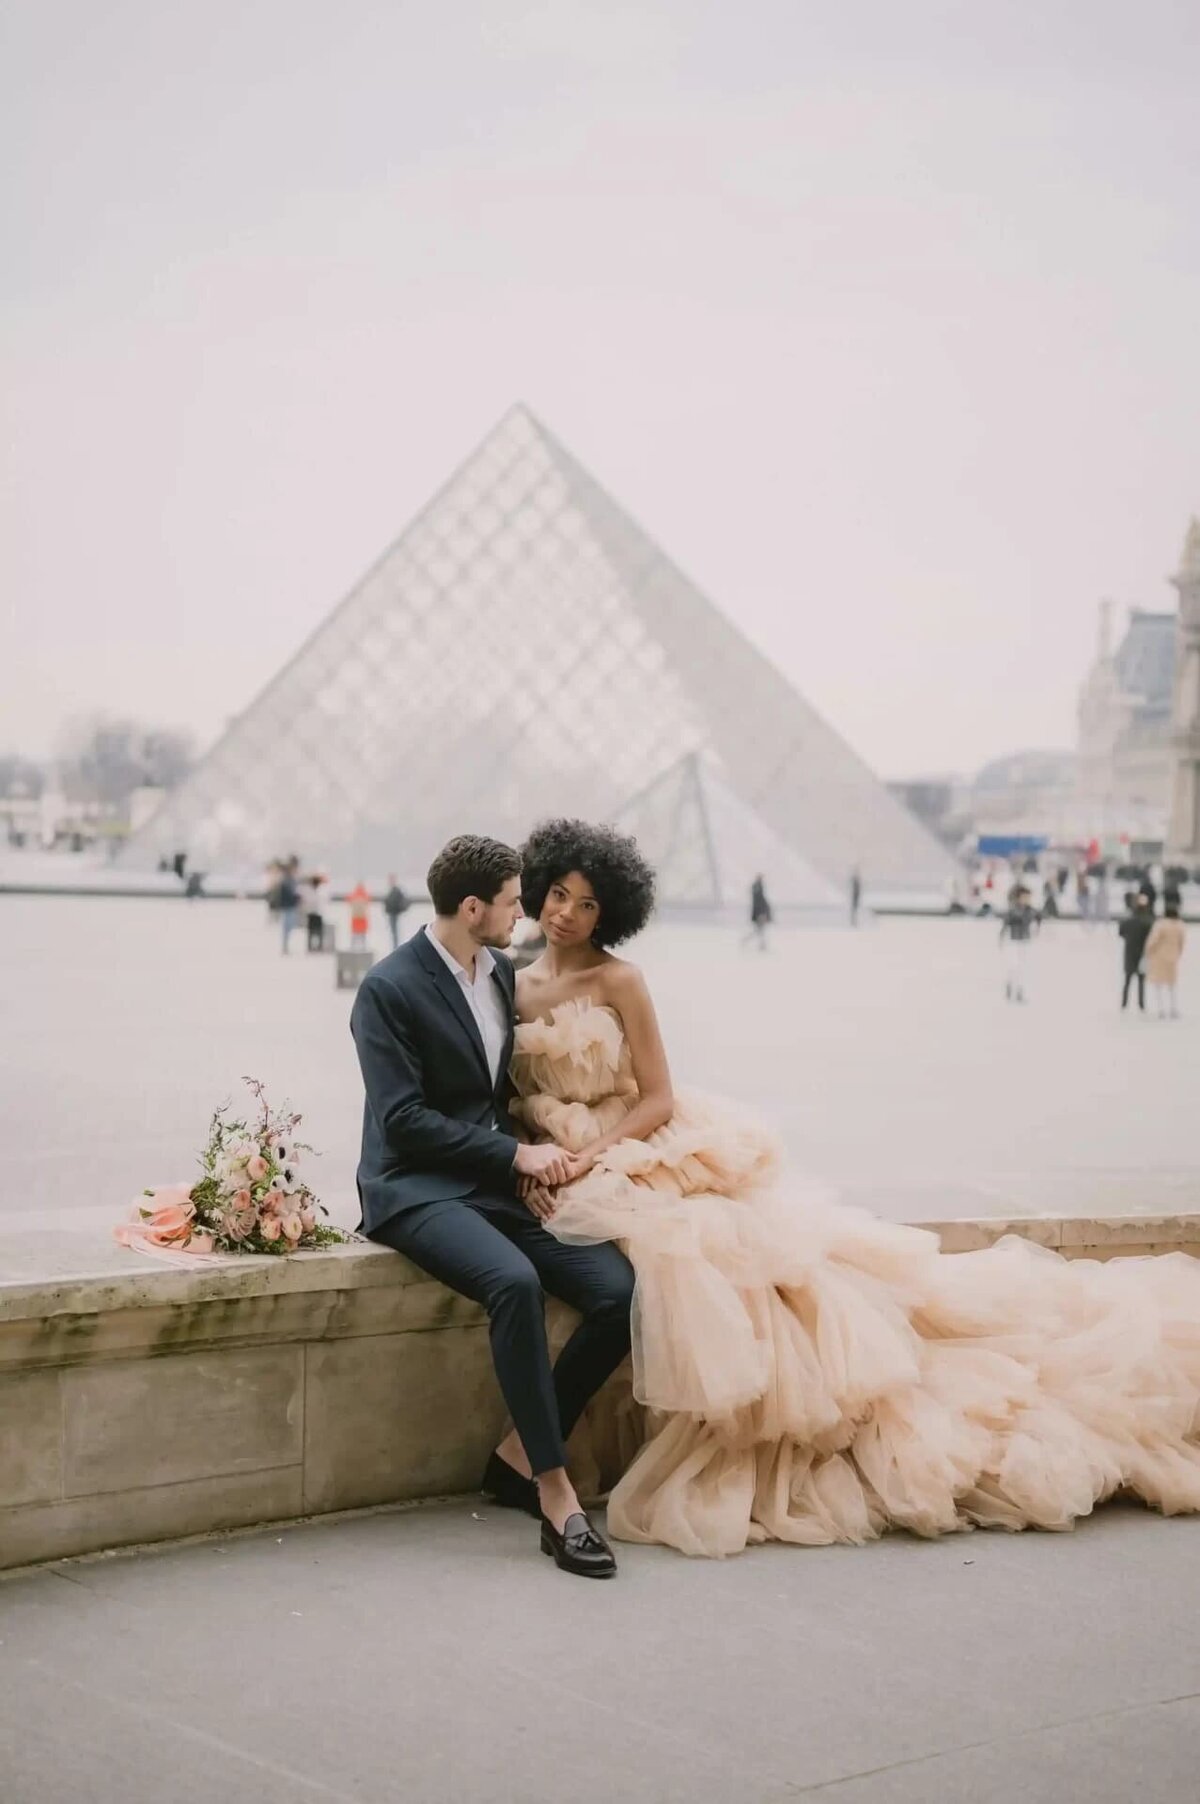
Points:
(549, 1165)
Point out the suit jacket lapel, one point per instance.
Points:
(451, 991)
(511, 1016)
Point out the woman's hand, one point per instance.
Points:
(536, 1197)
(539, 1195)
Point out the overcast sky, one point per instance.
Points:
(884, 319)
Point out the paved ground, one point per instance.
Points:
(431, 1656)
(888, 1058)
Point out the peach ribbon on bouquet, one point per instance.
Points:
(163, 1224)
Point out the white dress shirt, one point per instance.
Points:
(484, 999)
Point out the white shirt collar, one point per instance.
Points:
(485, 964)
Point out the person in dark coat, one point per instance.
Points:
(1018, 928)
(394, 905)
(760, 915)
(1135, 931)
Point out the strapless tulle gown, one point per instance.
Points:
(803, 1371)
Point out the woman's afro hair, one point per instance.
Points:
(612, 864)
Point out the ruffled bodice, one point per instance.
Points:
(579, 1055)
(808, 1372)
(574, 1081)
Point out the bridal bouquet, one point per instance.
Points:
(250, 1199)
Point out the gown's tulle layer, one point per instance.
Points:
(810, 1373)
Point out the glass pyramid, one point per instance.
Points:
(707, 847)
(524, 649)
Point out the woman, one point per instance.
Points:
(1164, 949)
(803, 1371)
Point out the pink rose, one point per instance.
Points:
(269, 1227)
(273, 1202)
(241, 1200)
(257, 1168)
(171, 1213)
(308, 1220)
(292, 1227)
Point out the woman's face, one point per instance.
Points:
(570, 914)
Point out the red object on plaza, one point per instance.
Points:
(359, 900)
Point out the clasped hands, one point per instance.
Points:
(541, 1170)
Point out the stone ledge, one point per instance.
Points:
(159, 1402)
(355, 1265)
(1075, 1236)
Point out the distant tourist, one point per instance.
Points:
(274, 878)
(855, 895)
(288, 894)
(313, 903)
(394, 905)
(1016, 930)
(1146, 887)
(1135, 931)
(1164, 949)
(359, 901)
(1101, 906)
(1083, 896)
(760, 915)
(1049, 900)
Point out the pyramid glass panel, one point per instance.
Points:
(524, 649)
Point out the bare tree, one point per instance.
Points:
(20, 776)
(102, 760)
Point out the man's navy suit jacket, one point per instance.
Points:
(434, 1125)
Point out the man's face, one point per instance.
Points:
(492, 923)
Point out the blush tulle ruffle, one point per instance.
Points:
(803, 1371)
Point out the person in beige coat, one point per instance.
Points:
(1164, 949)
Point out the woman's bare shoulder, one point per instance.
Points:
(621, 977)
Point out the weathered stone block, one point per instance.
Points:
(52, 1531)
(1130, 1249)
(398, 1415)
(1151, 1232)
(973, 1234)
(398, 1310)
(163, 1421)
(31, 1468)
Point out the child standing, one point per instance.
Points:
(1164, 949)
(1018, 928)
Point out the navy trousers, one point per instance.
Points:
(493, 1250)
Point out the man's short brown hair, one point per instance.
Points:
(470, 866)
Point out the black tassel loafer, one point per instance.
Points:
(580, 1548)
(504, 1485)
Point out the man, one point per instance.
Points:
(760, 915)
(289, 903)
(394, 905)
(1135, 931)
(313, 905)
(1018, 927)
(433, 1025)
(855, 895)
